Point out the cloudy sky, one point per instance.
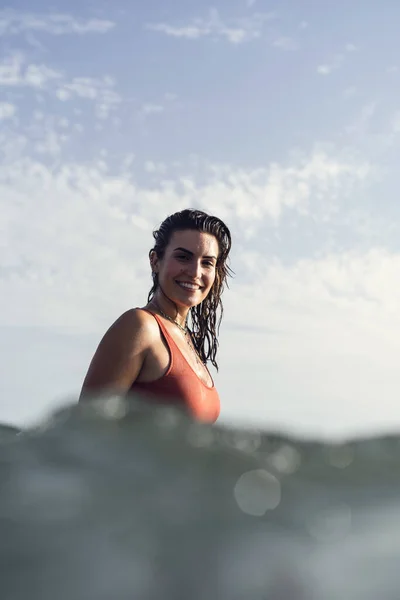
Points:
(282, 118)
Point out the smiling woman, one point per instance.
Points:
(154, 349)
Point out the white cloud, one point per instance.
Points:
(51, 143)
(75, 241)
(152, 167)
(328, 68)
(38, 75)
(13, 22)
(102, 91)
(268, 192)
(15, 72)
(330, 345)
(151, 109)
(79, 210)
(336, 62)
(361, 124)
(7, 110)
(83, 87)
(350, 91)
(285, 43)
(168, 100)
(234, 31)
(324, 69)
(336, 313)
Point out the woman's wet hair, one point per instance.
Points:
(205, 317)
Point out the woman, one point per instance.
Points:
(152, 350)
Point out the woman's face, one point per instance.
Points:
(187, 271)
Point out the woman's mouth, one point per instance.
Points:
(192, 287)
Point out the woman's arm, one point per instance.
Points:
(120, 355)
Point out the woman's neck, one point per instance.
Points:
(178, 314)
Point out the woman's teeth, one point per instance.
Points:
(188, 286)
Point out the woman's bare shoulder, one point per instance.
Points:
(121, 353)
(135, 322)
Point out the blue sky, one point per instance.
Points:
(281, 118)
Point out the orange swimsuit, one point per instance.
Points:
(181, 385)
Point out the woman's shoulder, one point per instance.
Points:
(122, 350)
(136, 325)
(137, 321)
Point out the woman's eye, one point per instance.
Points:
(207, 263)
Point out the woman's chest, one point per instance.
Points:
(178, 354)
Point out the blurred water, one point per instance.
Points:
(8, 432)
(117, 500)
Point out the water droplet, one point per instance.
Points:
(245, 441)
(286, 460)
(114, 407)
(257, 491)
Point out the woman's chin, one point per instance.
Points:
(188, 302)
(188, 298)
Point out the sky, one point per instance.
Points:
(281, 118)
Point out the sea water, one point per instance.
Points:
(118, 500)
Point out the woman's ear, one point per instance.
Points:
(153, 261)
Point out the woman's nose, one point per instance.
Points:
(194, 269)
